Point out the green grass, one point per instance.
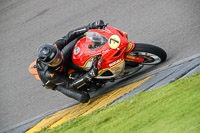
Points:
(173, 108)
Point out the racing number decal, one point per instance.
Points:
(114, 41)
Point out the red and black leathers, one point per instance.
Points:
(57, 77)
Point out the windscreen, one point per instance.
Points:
(97, 39)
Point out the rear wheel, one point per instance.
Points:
(151, 54)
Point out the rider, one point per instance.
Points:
(54, 61)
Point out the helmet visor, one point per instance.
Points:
(56, 60)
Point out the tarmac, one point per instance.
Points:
(147, 82)
(171, 25)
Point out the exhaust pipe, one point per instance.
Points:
(80, 96)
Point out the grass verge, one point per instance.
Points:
(173, 108)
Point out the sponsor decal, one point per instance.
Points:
(76, 50)
(114, 41)
(115, 62)
(108, 31)
(106, 51)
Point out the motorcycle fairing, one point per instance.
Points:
(113, 47)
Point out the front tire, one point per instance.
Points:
(152, 54)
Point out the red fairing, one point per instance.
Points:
(113, 51)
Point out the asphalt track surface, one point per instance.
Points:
(173, 25)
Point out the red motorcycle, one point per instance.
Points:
(117, 57)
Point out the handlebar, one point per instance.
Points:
(104, 26)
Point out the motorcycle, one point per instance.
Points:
(117, 58)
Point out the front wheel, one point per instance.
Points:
(151, 54)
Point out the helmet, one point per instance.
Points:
(50, 55)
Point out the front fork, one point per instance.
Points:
(129, 57)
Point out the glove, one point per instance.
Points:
(96, 25)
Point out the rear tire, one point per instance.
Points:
(152, 54)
